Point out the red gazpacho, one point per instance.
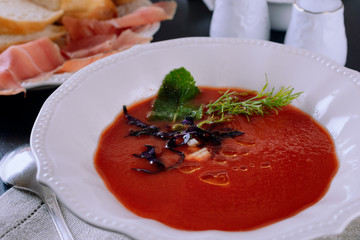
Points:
(237, 175)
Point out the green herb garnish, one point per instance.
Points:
(229, 104)
(178, 88)
(172, 102)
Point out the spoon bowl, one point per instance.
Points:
(18, 169)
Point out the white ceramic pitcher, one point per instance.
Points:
(240, 18)
(318, 25)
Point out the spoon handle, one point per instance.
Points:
(50, 200)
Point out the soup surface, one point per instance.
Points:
(282, 164)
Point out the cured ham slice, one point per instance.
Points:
(74, 65)
(97, 44)
(90, 46)
(27, 62)
(81, 28)
(157, 12)
(125, 40)
(128, 39)
(8, 86)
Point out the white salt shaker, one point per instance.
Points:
(240, 18)
(318, 25)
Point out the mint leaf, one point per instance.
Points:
(176, 90)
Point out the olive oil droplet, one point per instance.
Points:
(243, 168)
(229, 153)
(189, 168)
(246, 144)
(215, 177)
(265, 165)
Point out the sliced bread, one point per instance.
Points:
(24, 17)
(119, 2)
(97, 9)
(49, 4)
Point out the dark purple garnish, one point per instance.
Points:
(174, 140)
(146, 129)
(213, 138)
(188, 121)
(134, 121)
(150, 155)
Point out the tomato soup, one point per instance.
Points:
(283, 163)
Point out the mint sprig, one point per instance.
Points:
(172, 103)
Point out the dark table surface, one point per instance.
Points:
(18, 112)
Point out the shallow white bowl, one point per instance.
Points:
(68, 127)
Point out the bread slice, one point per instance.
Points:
(24, 17)
(49, 4)
(97, 9)
(51, 31)
(119, 2)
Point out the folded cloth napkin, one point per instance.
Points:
(23, 216)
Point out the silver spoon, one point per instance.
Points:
(18, 168)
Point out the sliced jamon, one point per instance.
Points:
(73, 65)
(89, 46)
(129, 38)
(125, 40)
(28, 61)
(81, 28)
(145, 15)
(8, 86)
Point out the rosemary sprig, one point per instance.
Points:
(229, 104)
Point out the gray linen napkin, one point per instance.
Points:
(23, 216)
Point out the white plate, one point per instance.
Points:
(53, 80)
(67, 130)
